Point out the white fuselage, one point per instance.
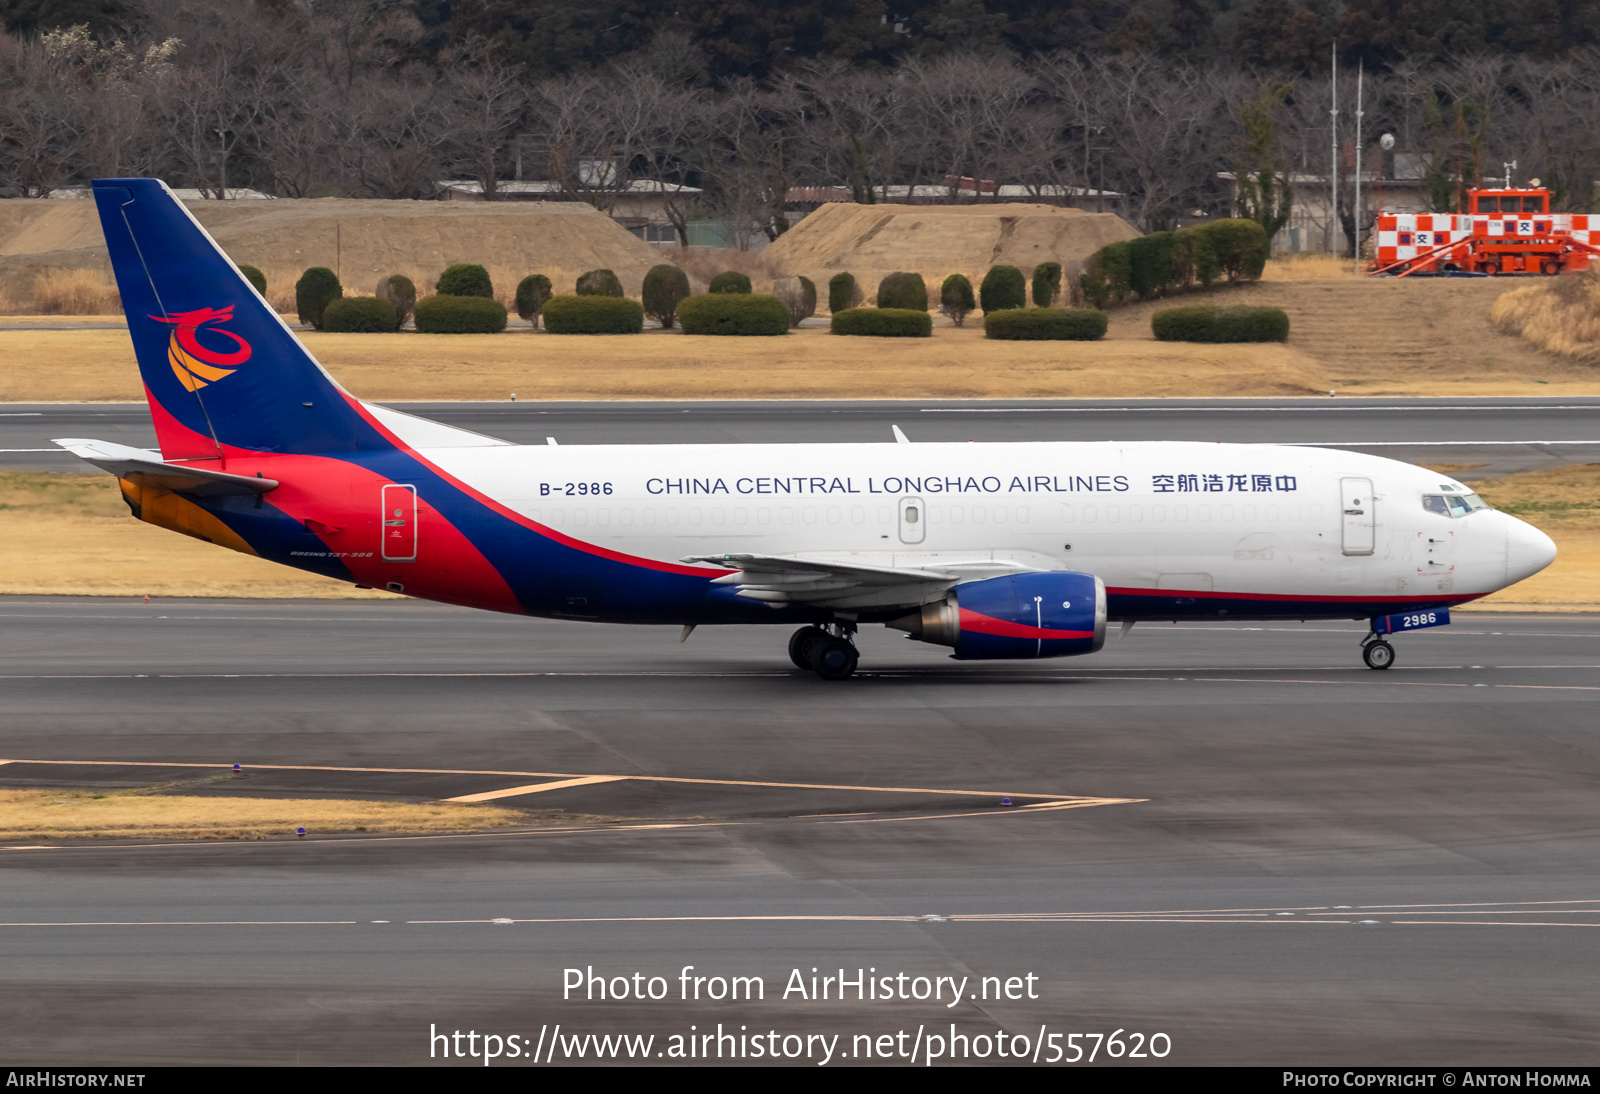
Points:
(1256, 520)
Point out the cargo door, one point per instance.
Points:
(913, 520)
(399, 523)
(1357, 509)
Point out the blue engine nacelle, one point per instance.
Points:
(1057, 613)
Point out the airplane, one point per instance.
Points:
(997, 550)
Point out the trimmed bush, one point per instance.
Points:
(593, 315)
(1207, 324)
(445, 314)
(956, 299)
(883, 322)
(532, 293)
(1003, 287)
(317, 288)
(1235, 248)
(1150, 264)
(256, 278)
(903, 290)
(665, 287)
(599, 283)
(1107, 279)
(465, 279)
(799, 295)
(400, 292)
(734, 313)
(1046, 284)
(843, 292)
(730, 281)
(359, 315)
(1046, 324)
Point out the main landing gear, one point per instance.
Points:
(1377, 653)
(826, 651)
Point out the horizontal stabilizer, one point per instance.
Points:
(142, 465)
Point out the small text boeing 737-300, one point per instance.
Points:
(1014, 550)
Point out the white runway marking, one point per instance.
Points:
(1538, 914)
(1313, 406)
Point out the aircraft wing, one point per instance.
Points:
(142, 465)
(796, 579)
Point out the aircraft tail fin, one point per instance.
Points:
(222, 371)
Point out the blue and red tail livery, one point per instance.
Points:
(217, 360)
(997, 550)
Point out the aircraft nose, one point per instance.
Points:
(1528, 550)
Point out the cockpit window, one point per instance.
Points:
(1453, 505)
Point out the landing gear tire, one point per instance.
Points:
(1377, 655)
(801, 644)
(834, 659)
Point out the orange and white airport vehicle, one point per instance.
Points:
(1510, 231)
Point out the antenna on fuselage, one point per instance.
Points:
(899, 436)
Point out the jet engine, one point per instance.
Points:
(1057, 613)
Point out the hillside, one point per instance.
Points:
(361, 240)
(870, 241)
(1388, 334)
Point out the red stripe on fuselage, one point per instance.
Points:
(988, 624)
(511, 514)
(345, 500)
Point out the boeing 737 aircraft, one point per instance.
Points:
(1015, 550)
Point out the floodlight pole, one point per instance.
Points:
(1333, 157)
(1360, 72)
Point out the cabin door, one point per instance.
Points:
(1357, 514)
(399, 524)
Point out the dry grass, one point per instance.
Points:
(1564, 503)
(65, 292)
(98, 366)
(1309, 267)
(147, 813)
(71, 535)
(704, 263)
(1355, 335)
(1561, 315)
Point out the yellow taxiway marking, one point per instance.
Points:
(1038, 807)
(536, 788)
(569, 777)
(194, 923)
(1472, 904)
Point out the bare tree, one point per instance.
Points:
(1166, 127)
(484, 103)
(394, 137)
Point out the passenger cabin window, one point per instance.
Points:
(1453, 505)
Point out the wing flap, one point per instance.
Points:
(796, 579)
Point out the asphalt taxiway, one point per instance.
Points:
(1233, 835)
(1495, 435)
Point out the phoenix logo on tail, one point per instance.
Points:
(194, 365)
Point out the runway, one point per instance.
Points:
(1497, 435)
(1231, 835)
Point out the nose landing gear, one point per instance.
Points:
(1377, 653)
(827, 651)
